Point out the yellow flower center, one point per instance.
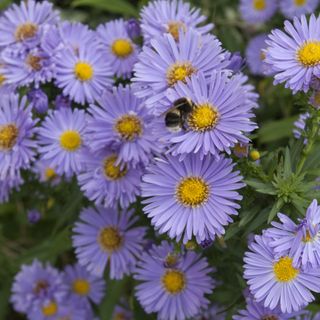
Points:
(300, 3)
(41, 285)
(119, 316)
(128, 126)
(26, 31)
(122, 48)
(81, 287)
(8, 136)
(83, 71)
(174, 27)
(110, 239)
(309, 54)
(179, 72)
(262, 55)
(259, 4)
(34, 62)
(192, 191)
(50, 309)
(174, 281)
(307, 238)
(2, 79)
(112, 171)
(284, 270)
(203, 117)
(70, 140)
(50, 173)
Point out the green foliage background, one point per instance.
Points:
(284, 180)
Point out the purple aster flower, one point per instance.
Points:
(33, 216)
(294, 56)
(83, 75)
(118, 47)
(61, 139)
(28, 66)
(34, 285)
(168, 62)
(25, 24)
(301, 241)
(163, 17)
(236, 62)
(257, 11)
(124, 122)
(62, 101)
(133, 28)
(17, 147)
(255, 56)
(219, 119)
(292, 8)
(274, 281)
(177, 292)
(177, 192)
(8, 185)
(251, 97)
(256, 311)
(300, 125)
(106, 183)
(105, 237)
(122, 313)
(241, 150)
(39, 100)
(46, 173)
(315, 99)
(83, 286)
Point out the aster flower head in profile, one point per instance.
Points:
(118, 47)
(36, 284)
(274, 281)
(83, 74)
(106, 238)
(294, 55)
(107, 183)
(161, 17)
(168, 62)
(46, 173)
(174, 291)
(61, 140)
(123, 121)
(300, 125)
(255, 56)
(8, 185)
(25, 24)
(220, 118)
(17, 131)
(83, 286)
(301, 241)
(296, 8)
(191, 198)
(257, 11)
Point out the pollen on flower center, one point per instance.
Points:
(262, 55)
(112, 171)
(110, 239)
(26, 31)
(34, 62)
(300, 3)
(8, 136)
(192, 191)
(203, 117)
(179, 72)
(128, 126)
(50, 173)
(308, 237)
(259, 4)
(83, 71)
(284, 270)
(70, 140)
(174, 281)
(174, 27)
(81, 287)
(2, 79)
(122, 48)
(309, 54)
(50, 309)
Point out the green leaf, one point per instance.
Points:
(4, 4)
(275, 130)
(261, 187)
(287, 169)
(115, 6)
(275, 209)
(232, 230)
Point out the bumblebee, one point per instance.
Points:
(175, 118)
